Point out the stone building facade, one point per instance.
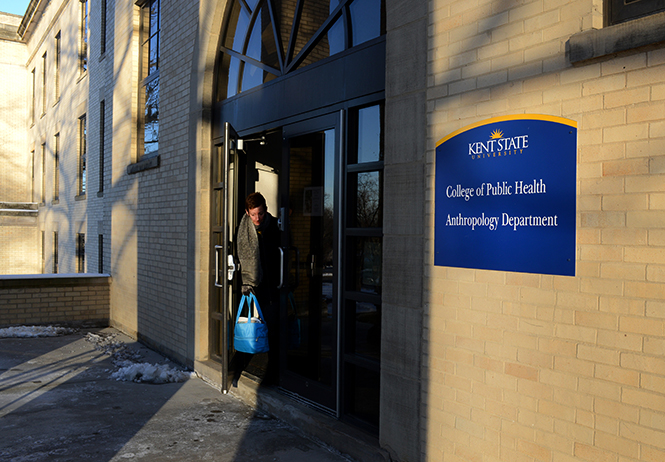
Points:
(19, 234)
(425, 362)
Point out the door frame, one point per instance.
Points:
(296, 384)
(222, 298)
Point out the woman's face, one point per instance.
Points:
(257, 214)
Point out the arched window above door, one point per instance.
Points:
(266, 39)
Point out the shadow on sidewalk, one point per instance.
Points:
(58, 402)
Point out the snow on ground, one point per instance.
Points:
(127, 361)
(34, 331)
(130, 369)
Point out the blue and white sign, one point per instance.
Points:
(505, 195)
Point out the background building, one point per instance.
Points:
(19, 234)
(151, 120)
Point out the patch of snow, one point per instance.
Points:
(34, 331)
(130, 367)
(150, 373)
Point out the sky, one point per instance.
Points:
(14, 6)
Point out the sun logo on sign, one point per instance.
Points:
(496, 134)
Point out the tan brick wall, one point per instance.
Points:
(15, 184)
(64, 299)
(19, 245)
(528, 367)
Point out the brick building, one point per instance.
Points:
(19, 233)
(151, 121)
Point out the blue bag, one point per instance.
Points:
(251, 332)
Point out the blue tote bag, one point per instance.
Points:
(251, 332)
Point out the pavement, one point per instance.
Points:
(58, 402)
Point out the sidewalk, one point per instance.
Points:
(58, 402)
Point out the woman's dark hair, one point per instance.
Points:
(255, 200)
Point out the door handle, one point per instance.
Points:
(283, 253)
(281, 268)
(217, 279)
(313, 270)
(231, 267)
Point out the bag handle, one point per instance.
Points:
(249, 299)
(252, 298)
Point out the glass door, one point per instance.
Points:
(309, 311)
(227, 178)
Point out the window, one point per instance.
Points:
(82, 156)
(56, 168)
(149, 90)
(364, 256)
(44, 84)
(263, 41)
(102, 122)
(100, 253)
(32, 99)
(55, 252)
(58, 45)
(33, 163)
(80, 253)
(625, 10)
(83, 32)
(43, 186)
(43, 243)
(102, 34)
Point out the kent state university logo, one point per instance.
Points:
(498, 145)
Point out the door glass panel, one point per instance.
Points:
(369, 135)
(367, 210)
(365, 267)
(364, 329)
(311, 312)
(361, 389)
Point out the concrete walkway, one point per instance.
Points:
(58, 402)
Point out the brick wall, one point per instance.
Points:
(19, 241)
(54, 299)
(530, 367)
(15, 157)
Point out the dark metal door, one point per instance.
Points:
(227, 173)
(310, 315)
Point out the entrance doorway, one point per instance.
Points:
(294, 169)
(322, 179)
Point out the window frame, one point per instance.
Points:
(292, 54)
(56, 168)
(83, 37)
(619, 11)
(102, 141)
(56, 70)
(44, 79)
(148, 77)
(34, 96)
(55, 252)
(596, 44)
(42, 193)
(81, 175)
(102, 31)
(80, 252)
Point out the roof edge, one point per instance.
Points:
(28, 17)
